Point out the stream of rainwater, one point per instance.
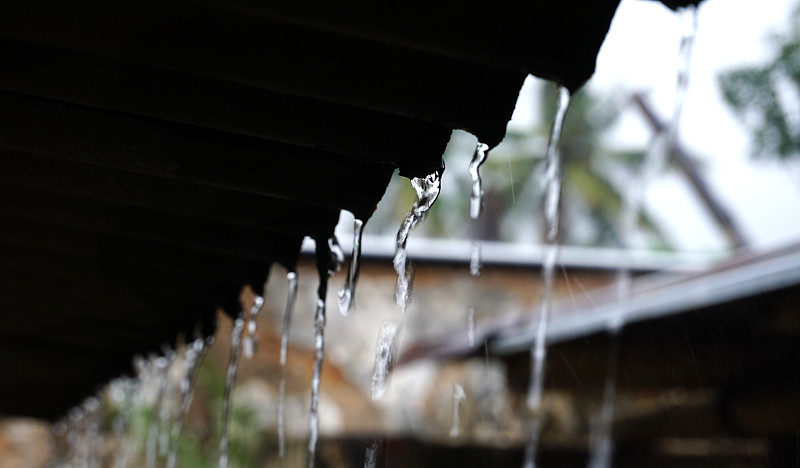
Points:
(552, 183)
(347, 295)
(291, 279)
(329, 259)
(475, 204)
(427, 190)
(195, 353)
(661, 145)
(230, 379)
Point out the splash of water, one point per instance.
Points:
(602, 448)
(347, 303)
(250, 342)
(475, 203)
(552, 182)
(195, 353)
(427, 189)
(327, 261)
(291, 278)
(384, 358)
(459, 399)
(230, 379)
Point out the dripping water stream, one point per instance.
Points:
(161, 376)
(328, 259)
(195, 354)
(291, 278)
(250, 343)
(459, 399)
(427, 189)
(230, 379)
(347, 303)
(475, 203)
(602, 447)
(552, 183)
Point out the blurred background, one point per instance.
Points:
(734, 191)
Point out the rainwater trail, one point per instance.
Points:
(427, 189)
(371, 456)
(161, 378)
(195, 353)
(165, 405)
(602, 448)
(459, 399)
(384, 358)
(328, 259)
(250, 342)
(475, 203)
(471, 326)
(121, 395)
(291, 278)
(347, 295)
(552, 182)
(230, 379)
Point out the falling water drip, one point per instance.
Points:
(327, 260)
(91, 409)
(602, 444)
(384, 358)
(475, 202)
(660, 147)
(230, 379)
(291, 277)
(164, 406)
(250, 342)
(336, 254)
(688, 17)
(552, 183)
(195, 353)
(459, 399)
(371, 455)
(161, 379)
(347, 303)
(427, 189)
(475, 199)
(121, 395)
(75, 437)
(471, 326)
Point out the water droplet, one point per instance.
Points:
(250, 343)
(471, 326)
(385, 354)
(459, 399)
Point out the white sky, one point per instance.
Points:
(640, 54)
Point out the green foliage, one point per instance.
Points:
(760, 95)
